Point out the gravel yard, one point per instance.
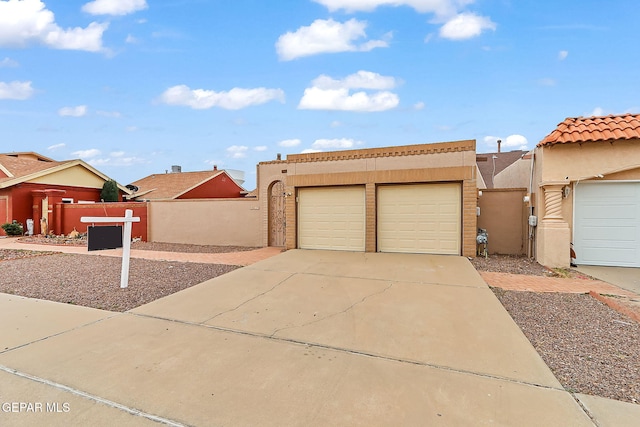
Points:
(590, 347)
(94, 281)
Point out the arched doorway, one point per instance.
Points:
(277, 218)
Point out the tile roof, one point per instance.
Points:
(503, 159)
(586, 129)
(171, 185)
(20, 166)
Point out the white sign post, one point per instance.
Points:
(128, 221)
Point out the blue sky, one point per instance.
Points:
(136, 86)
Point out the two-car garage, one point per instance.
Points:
(410, 218)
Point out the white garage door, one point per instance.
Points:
(607, 224)
(331, 218)
(419, 218)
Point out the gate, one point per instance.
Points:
(277, 218)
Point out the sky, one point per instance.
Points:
(133, 87)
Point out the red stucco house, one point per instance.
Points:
(33, 186)
(178, 185)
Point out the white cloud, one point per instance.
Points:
(562, 55)
(360, 80)
(339, 99)
(87, 154)
(261, 148)
(327, 93)
(132, 128)
(335, 124)
(130, 39)
(310, 150)
(56, 146)
(114, 7)
(547, 82)
(234, 99)
(465, 26)
(289, 143)
(518, 142)
(418, 106)
(77, 111)
(113, 114)
(117, 159)
(326, 36)
(439, 7)
(16, 90)
(237, 151)
(598, 111)
(27, 22)
(8, 63)
(341, 144)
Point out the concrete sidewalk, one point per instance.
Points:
(302, 338)
(241, 258)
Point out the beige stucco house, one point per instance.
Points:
(584, 180)
(415, 198)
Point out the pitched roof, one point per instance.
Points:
(586, 129)
(172, 185)
(503, 159)
(21, 167)
(16, 165)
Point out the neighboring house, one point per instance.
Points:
(585, 190)
(490, 165)
(415, 199)
(31, 185)
(178, 185)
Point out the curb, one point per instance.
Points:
(620, 308)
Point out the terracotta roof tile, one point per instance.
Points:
(586, 129)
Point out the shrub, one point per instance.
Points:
(110, 191)
(13, 228)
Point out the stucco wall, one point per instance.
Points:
(235, 222)
(504, 215)
(565, 166)
(221, 186)
(516, 175)
(71, 177)
(570, 164)
(439, 162)
(72, 213)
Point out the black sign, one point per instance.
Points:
(104, 237)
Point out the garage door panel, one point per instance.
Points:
(607, 224)
(331, 218)
(422, 218)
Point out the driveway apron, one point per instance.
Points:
(302, 338)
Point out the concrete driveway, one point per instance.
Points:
(303, 338)
(624, 277)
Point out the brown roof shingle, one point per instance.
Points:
(171, 185)
(586, 129)
(20, 166)
(503, 159)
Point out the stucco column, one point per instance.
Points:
(553, 202)
(553, 234)
(36, 207)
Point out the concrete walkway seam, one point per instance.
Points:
(349, 351)
(92, 397)
(114, 314)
